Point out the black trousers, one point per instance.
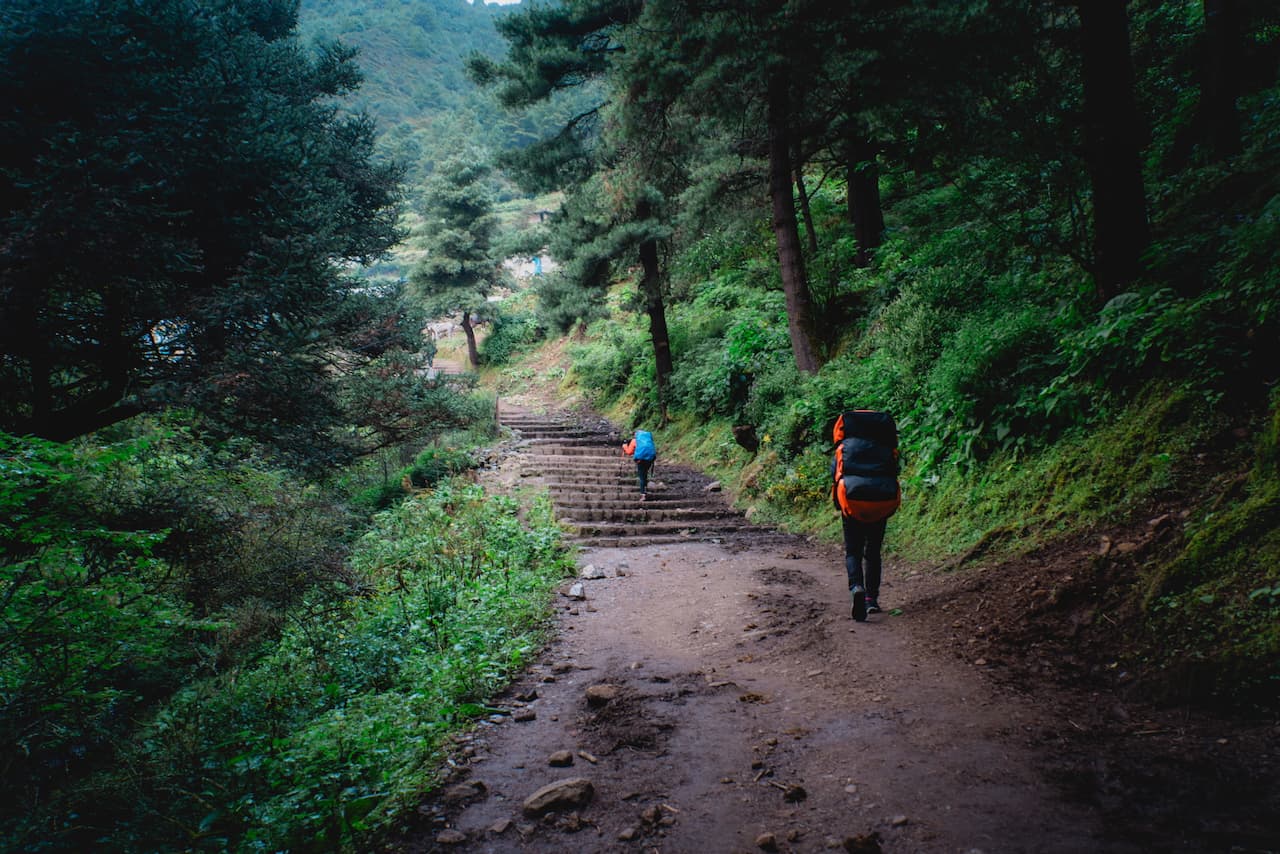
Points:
(862, 544)
(642, 473)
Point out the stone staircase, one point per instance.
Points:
(594, 490)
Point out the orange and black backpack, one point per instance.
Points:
(865, 470)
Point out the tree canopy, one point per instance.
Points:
(180, 199)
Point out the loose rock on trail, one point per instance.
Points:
(707, 691)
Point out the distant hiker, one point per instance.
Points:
(642, 449)
(865, 490)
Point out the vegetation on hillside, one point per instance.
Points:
(225, 621)
(1042, 235)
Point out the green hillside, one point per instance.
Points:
(413, 59)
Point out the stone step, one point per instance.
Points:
(655, 501)
(648, 529)
(539, 450)
(641, 513)
(587, 443)
(589, 483)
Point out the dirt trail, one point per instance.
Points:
(746, 711)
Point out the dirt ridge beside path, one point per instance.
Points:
(716, 697)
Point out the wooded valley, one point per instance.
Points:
(247, 587)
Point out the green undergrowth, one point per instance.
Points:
(1207, 606)
(1092, 477)
(1215, 604)
(331, 733)
(337, 731)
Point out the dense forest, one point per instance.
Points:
(1042, 234)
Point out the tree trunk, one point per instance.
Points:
(785, 229)
(865, 211)
(651, 286)
(1221, 77)
(468, 329)
(803, 195)
(1112, 146)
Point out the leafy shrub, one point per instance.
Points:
(607, 366)
(332, 731)
(436, 464)
(93, 629)
(509, 336)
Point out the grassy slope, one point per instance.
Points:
(1196, 596)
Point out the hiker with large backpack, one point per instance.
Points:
(865, 490)
(642, 449)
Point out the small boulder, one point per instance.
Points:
(574, 793)
(767, 842)
(560, 759)
(450, 837)
(591, 572)
(601, 695)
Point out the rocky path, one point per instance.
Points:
(707, 692)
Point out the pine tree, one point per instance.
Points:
(179, 198)
(461, 268)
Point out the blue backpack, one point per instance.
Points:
(645, 449)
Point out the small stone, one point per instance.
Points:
(793, 835)
(864, 843)
(462, 791)
(794, 794)
(651, 815)
(981, 662)
(524, 716)
(714, 486)
(628, 834)
(591, 572)
(1127, 548)
(767, 842)
(600, 695)
(500, 826)
(899, 821)
(560, 759)
(450, 837)
(577, 591)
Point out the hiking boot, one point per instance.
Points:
(859, 604)
(873, 606)
(643, 497)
